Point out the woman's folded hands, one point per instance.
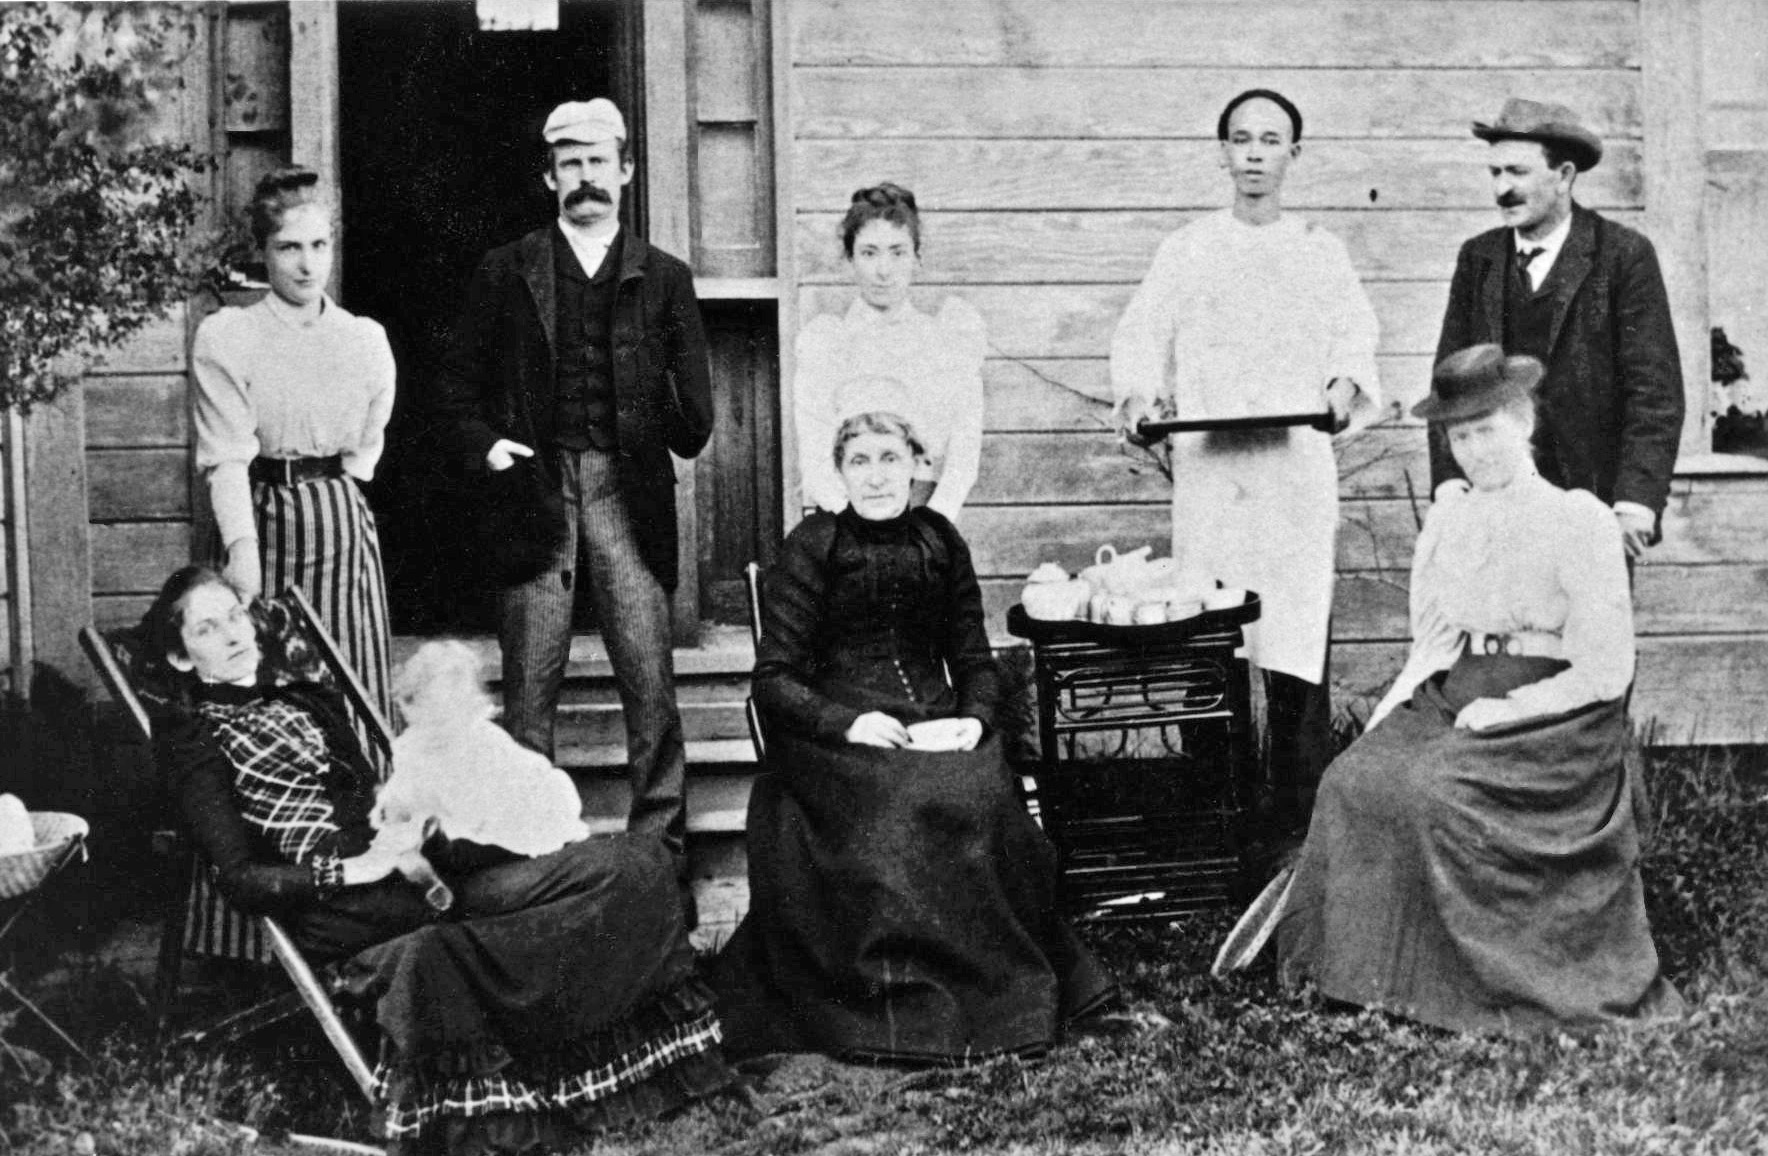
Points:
(877, 729)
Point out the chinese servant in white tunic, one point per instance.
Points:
(1253, 312)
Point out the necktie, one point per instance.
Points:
(1523, 257)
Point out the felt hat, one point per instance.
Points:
(1548, 123)
(1476, 381)
(585, 122)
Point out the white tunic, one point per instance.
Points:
(1238, 320)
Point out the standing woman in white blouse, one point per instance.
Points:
(292, 397)
(1472, 860)
(883, 354)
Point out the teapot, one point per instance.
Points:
(1050, 594)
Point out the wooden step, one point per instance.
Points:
(591, 724)
(717, 804)
(723, 651)
(704, 756)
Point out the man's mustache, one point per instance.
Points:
(1509, 201)
(584, 193)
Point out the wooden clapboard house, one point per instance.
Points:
(1052, 146)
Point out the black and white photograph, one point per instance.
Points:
(883, 577)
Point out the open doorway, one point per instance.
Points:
(439, 134)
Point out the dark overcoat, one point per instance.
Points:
(498, 379)
(1610, 408)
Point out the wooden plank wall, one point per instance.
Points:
(1052, 146)
(139, 470)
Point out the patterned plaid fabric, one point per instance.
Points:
(273, 745)
(483, 1096)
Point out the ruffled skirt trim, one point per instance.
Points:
(659, 1058)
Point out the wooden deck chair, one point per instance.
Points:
(177, 935)
(752, 713)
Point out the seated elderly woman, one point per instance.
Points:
(558, 992)
(903, 905)
(1472, 861)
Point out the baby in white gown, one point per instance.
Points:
(458, 772)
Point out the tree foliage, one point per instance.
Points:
(97, 225)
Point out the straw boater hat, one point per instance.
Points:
(1476, 381)
(1548, 123)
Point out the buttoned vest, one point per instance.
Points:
(584, 384)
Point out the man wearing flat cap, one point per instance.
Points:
(579, 364)
(1584, 296)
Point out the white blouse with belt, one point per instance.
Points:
(936, 366)
(1529, 559)
(270, 383)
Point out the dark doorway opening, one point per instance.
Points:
(441, 161)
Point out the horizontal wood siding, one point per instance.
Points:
(138, 470)
(1052, 147)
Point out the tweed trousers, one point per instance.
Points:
(633, 609)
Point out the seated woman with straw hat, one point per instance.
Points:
(1472, 861)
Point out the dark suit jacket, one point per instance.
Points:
(1610, 408)
(497, 381)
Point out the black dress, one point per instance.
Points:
(558, 994)
(903, 905)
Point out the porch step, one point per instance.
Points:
(717, 804)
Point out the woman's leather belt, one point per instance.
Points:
(294, 471)
(1529, 643)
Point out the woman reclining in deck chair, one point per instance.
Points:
(1472, 861)
(555, 996)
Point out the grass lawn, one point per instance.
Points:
(1243, 1067)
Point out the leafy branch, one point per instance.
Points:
(97, 224)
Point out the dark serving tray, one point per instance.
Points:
(1159, 429)
(1022, 625)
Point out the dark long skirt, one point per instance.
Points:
(903, 906)
(1481, 881)
(557, 997)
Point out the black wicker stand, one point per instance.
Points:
(1148, 764)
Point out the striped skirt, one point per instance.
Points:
(320, 536)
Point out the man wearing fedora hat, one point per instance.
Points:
(580, 360)
(1585, 297)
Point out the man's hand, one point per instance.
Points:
(1484, 713)
(877, 729)
(1636, 530)
(502, 455)
(243, 570)
(1131, 412)
(1341, 395)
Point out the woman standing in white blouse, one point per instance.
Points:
(883, 354)
(1472, 860)
(292, 397)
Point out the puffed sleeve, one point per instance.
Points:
(1597, 638)
(1141, 347)
(200, 780)
(794, 591)
(226, 425)
(814, 381)
(965, 344)
(378, 377)
(1436, 643)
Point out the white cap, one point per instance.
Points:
(585, 122)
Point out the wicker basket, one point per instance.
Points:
(23, 870)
